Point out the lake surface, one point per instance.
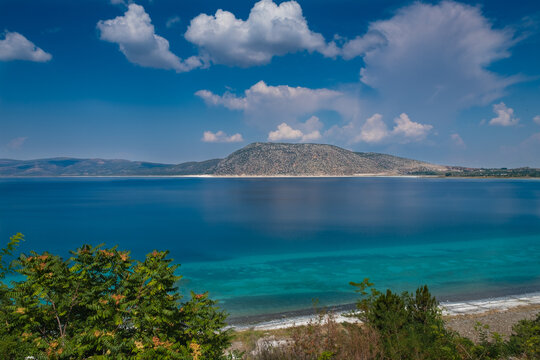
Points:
(273, 245)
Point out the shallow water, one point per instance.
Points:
(273, 245)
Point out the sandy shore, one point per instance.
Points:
(501, 312)
(499, 321)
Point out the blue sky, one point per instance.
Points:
(172, 81)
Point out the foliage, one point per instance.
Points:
(399, 326)
(102, 304)
(410, 326)
(526, 338)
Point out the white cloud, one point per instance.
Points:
(312, 136)
(360, 45)
(285, 132)
(374, 130)
(221, 136)
(410, 129)
(17, 143)
(505, 115)
(434, 56)
(15, 46)
(271, 105)
(227, 100)
(270, 30)
(135, 35)
(457, 140)
(172, 21)
(536, 119)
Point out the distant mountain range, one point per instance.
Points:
(257, 159)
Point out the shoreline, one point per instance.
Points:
(448, 308)
(382, 175)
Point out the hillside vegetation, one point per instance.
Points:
(269, 159)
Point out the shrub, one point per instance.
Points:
(526, 338)
(324, 339)
(102, 304)
(410, 326)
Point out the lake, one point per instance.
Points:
(264, 246)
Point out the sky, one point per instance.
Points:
(169, 81)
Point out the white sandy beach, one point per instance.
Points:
(448, 309)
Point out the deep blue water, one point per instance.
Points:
(271, 245)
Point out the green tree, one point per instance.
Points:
(410, 325)
(102, 304)
(10, 345)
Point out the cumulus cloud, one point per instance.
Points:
(360, 45)
(137, 40)
(536, 119)
(457, 140)
(16, 143)
(410, 129)
(505, 115)
(227, 100)
(221, 137)
(270, 30)
(285, 132)
(271, 105)
(15, 46)
(434, 55)
(374, 130)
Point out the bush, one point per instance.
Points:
(324, 339)
(410, 326)
(526, 338)
(102, 304)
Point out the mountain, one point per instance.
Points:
(100, 167)
(258, 159)
(267, 159)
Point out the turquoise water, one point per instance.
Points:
(273, 245)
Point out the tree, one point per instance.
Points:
(102, 304)
(410, 326)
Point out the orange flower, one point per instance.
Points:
(196, 349)
(107, 253)
(117, 298)
(20, 310)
